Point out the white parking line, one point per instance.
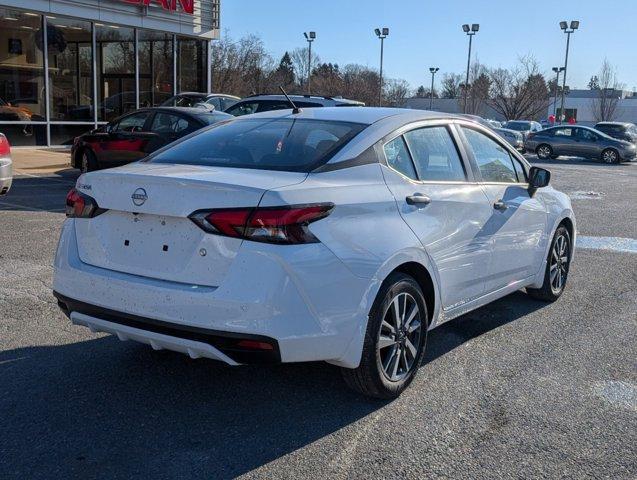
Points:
(615, 244)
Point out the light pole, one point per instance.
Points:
(381, 33)
(557, 71)
(433, 71)
(470, 31)
(310, 37)
(567, 29)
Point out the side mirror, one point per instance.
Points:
(538, 178)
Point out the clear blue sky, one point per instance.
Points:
(428, 33)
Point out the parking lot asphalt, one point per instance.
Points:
(517, 389)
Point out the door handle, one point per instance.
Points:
(500, 205)
(418, 199)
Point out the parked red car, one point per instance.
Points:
(133, 136)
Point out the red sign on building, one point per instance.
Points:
(186, 6)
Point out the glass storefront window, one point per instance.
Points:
(191, 65)
(21, 76)
(70, 69)
(115, 70)
(155, 68)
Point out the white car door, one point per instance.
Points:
(446, 209)
(518, 220)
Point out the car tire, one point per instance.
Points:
(610, 155)
(544, 151)
(558, 261)
(88, 162)
(393, 346)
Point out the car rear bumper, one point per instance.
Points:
(300, 299)
(6, 174)
(193, 341)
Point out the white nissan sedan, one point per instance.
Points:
(335, 234)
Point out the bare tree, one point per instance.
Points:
(478, 90)
(519, 93)
(395, 92)
(451, 85)
(604, 105)
(300, 61)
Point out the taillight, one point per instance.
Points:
(5, 146)
(79, 205)
(286, 225)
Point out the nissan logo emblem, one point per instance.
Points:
(139, 196)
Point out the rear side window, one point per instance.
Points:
(435, 154)
(169, 123)
(296, 145)
(398, 157)
(494, 162)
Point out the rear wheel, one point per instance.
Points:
(544, 151)
(610, 155)
(557, 266)
(88, 161)
(394, 341)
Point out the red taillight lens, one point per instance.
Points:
(79, 205)
(5, 146)
(286, 225)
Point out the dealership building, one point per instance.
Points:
(67, 66)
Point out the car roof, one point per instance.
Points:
(364, 115)
(207, 95)
(619, 124)
(192, 111)
(316, 98)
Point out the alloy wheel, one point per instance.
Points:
(399, 337)
(559, 263)
(544, 152)
(609, 156)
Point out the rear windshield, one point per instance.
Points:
(518, 125)
(296, 145)
(611, 128)
(210, 118)
(184, 101)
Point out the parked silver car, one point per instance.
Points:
(579, 142)
(6, 175)
(514, 138)
(523, 126)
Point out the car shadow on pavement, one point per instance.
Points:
(110, 409)
(42, 193)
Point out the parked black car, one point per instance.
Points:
(621, 130)
(133, 136)
(579, 141)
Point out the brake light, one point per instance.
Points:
(285, 225)
(79, 205)
(5, 146)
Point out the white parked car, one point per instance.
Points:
(6, 168)
(336, 234)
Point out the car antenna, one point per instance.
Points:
(295, 109)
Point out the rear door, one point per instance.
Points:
(517, 221)
(122, 144)
(440, 201)
(167, 127)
